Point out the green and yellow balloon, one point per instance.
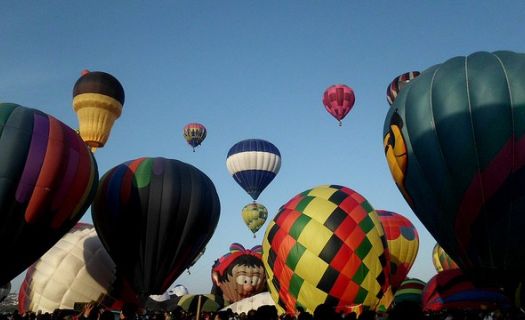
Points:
(254, 215)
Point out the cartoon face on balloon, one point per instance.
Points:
(240, 273)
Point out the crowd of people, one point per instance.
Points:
(402, 311)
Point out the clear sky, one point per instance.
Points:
(247, 69)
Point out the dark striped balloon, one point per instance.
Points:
(48, 178)
(154, 216)
(411, 289)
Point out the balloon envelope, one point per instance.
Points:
(326, 245)
(253, 163)
(76, 269)
(254, 216)
(399, 83)
(98, 98)
(338, 100)
(453, 290)
(411, 289)
(48, 178)
(194, 133)
(154, 216)
(441, 260)
(455, 144)
(239, 273)
(403, 244)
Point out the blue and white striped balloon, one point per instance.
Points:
(253, 163)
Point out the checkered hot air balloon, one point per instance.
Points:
(397, 84)
(338, 100)
(403, 244)
(194, 133)
(326, 245)
(253, 163)
(254, 215)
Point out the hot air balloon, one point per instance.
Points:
(453, 290)
(411, 289)
(338, 101)
(399, 83)
(455, 143)
(326, 245)
(239, 274)
(48, 178)
(98, 98)
(403, 244)
(442, 260)
(4, 291)
(254, 215)
(76, 269)
(253, 163)
(154, 216)
(194, 133)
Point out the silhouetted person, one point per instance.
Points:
(325, 312)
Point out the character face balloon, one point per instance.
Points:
(240, 273)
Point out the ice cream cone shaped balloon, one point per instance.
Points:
(98, 98)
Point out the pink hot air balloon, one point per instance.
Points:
(339, 100)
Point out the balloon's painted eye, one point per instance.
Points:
(242, 280)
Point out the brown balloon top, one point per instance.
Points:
(99, 82)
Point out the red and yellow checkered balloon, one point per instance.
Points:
(326, 245)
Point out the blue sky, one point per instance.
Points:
(247, 69)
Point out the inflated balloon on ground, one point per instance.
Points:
(455, 144)
(239, 273)
(411, 289)
(403, 244)
(76, 269)
(399, 83)
(154, 216)
(48, 178)
(441, 260)
(326, 245)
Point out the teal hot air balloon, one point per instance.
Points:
(455, 143)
